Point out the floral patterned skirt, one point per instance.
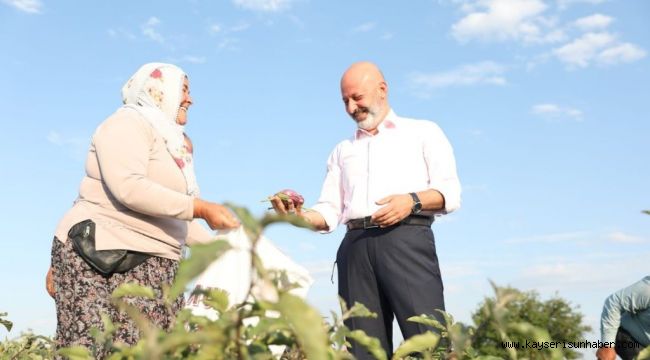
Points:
(82, 295)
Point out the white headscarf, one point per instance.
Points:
(155, 91)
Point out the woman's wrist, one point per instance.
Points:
(199, 206)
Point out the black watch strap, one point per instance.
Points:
(417, 205)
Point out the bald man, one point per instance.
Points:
(385, 183)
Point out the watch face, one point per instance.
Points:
(417, 207)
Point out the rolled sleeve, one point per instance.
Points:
(441, 167)
(630, 300)
(610, 319)
(330, 202)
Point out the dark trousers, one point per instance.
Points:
(626, 346)
(394, 272)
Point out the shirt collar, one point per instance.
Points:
(389, 122)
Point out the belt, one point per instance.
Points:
(366, 222)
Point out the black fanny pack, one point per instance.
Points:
(106, 262)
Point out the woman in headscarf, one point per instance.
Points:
(140, 194)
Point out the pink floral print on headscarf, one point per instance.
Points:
(155, 91)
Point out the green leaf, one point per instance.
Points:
(344, 305)
(7, 324)
(75, 353)
(372, 344)
(251, 225)
(359, 310)
(306, 323)
(417, 343)
(133, 289)
(202, 255)
(217, 299)
(428, 320)
(271, 327)
(646, 212)
(294, 220)
(282, 196)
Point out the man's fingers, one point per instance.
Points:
(381, 212)
(291, 208)
(278, 205)
(385, 200)
(387, 216)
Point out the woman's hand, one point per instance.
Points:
(217, 216)
(49, 283)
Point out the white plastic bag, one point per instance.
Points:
(232, 271)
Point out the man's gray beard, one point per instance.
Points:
(370, 122)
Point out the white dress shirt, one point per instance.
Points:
(404, 156)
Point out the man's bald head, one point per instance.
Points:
(365, 94)
(362, 72)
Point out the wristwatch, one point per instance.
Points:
(417, 205)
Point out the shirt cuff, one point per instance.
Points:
(450, 195)
(188, 212)
(330, 216)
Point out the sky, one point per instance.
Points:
(542, 101)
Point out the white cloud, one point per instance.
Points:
(193, 59)
(581, 51)
(214, 28)
(264, 5)
(28, 6)
(593, 22)
(623, 53)
(365, 27)
(149, 30)
(563, 4)
(228, 44)
(459, 269)
(623, 238)
(602, 48)
(190, 59)
(579, 275)
(297, 21)
(55, 138)
(553, 111)
(76, 146)
(502, 20)
(387, 36)
(239, 27)
(486, 72)
(120, 33)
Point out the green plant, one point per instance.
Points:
(276, 317)
(514, 316)
(27, 346)
(281, 318)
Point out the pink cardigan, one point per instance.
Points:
(134, 191)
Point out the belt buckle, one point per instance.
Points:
(367, 224)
